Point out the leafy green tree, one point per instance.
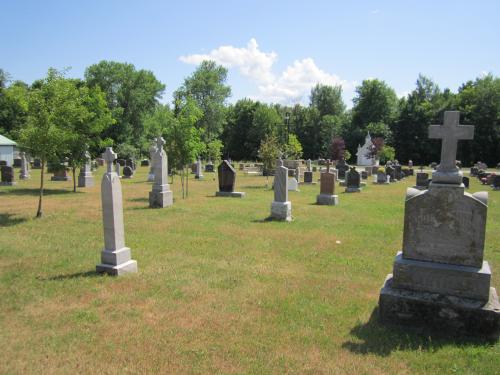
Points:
(423, 106)
(239, 121)
(386, 153)
(479, 103)
(91, 117)
(374, 102)
(51, 108)
(265, 123)
(130, 95)
(293, 149)
(206, 86)
(214, 151)
(13, 106)
(183, 139)
(327, 100)
(269, 151)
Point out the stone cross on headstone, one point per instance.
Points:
(161, 196)
(109, 156)
(450, 132)
(116, 257)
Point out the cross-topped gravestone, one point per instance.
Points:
(328, 164)
(85, 178)
(161, 196)
(450, 132)
(116, 257)
(281, 207)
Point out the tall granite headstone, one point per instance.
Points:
(199, 171)
(161, 196)
(342, 168)
(440, 278)
(281, 207)
(227, 180)
(25, 171)
(7, 175)
(116, 257)
(85, 178)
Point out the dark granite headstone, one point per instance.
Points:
(128, 172)
(342, 168)
(7, 174)
(308, 177)
(465, 181)
(17, 163)
(37, 164)
(391, 172)
(496, 183)
(209, 168)
(353, 181)
(422, 180)
(227, 177)
(145, 163)
(364, 175)
(121, 162)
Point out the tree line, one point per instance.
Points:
(117, 104)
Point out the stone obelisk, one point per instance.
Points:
(161, 195)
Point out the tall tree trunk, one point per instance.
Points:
(182, 182)
(74, 178)
(187, 182)
(39, 211)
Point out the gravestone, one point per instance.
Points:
(122, 162)
(209, 167)
(160, 196)
(130, 163)
(309, 164)
(281, 207)
(440, 278)
(7, 176)
(465, 181)
(116, 257)
(128, 172)
(382, 178)
(398, 174)
(17, 163)
(199, 173)
(327, 189)
(342, 168)
(474, 171)
(118, 169)
(145, 163)
(496, 183)
(391, 173)
(25, 172)
(369, 171)
(60, 173)
(353, 181)
(100, 162)
(308, 177)
(375, 169)
(37, 164)
(152, 152)
(422, 181)
(85, 178)
(227, 180)
(364, 175)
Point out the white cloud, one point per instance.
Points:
(375, 11)
(291, 86)
(251, 62)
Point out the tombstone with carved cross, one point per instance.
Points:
(327, 194)
(116, 257)
(440, 277)
(161, 196)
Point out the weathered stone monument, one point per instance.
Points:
(116, 257)
(161, 196)
(440, 278)
(7, 175)
(85, 178)
(227, 180)
(342, 168)
(422, 181)
(293, 183)
(117, 169)
(24, 174)
(382, 178)
(128, 172)
(353, 181)
(281, 207)
(199, 171)
(391, 173)
(327, 188)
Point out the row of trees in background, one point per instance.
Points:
(200, 122)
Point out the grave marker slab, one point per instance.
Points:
(227, 180)
(160, 196)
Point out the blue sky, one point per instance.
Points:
(275, 50)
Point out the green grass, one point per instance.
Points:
(219, 289)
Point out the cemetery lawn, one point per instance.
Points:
(219, 288)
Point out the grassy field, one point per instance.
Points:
(219, 289)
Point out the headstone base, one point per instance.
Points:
(232, 194)
(281, 211)
(382, 183)
(24, 177)
(327, 199)
(448, 279)
(121, 269)
(85, 181)
(60, 178)
(116, 262)
(463, 315)
(200, 177)
(161, 199)
(420, 187)
(353, 190)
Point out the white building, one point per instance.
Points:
(364, 151)
(7, 147)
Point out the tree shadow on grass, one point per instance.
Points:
(70, 276)
(270, 219)
(36, 192)
(140, 199)
(382, 339)
(246, 187)
(8, 220)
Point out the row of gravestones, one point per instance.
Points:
(440, 277)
